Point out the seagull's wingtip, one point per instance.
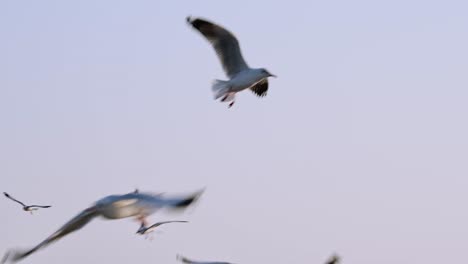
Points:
(5, 257)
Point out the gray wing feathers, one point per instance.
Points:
(40, 206)
(74, 224)
(225, 44)
(165, 222)
(13, 199)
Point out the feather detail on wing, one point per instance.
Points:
(260, 88)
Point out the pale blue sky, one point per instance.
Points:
(359, 148)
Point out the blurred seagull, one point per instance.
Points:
(335, 259)
(227, 48)
(188, 261)
(138, 205)
(27, 208)
(145, 230)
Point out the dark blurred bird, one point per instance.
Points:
(188, 261)
(335, 259)
(241, 76)
(138, 205)
(27, 208)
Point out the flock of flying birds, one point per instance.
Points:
(140, 205)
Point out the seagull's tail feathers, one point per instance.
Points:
(74, 224)
(220, 88)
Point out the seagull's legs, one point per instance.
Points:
(142, 220)
(229, 97)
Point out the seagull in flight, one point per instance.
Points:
(241, 76)
(27, 208)
(188, 261)
(139, 205)
(335, 259)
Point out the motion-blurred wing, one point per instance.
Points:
(13, 199)
(180, 203)
(74, 224)
(225, 44)
(165, 222)
(41, 206)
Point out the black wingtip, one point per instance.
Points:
(6, 194)
(192, 199)
(198, 22)
(191, 21)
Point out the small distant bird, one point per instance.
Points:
(27, 208)
(241, 76)
(188, 261)
(145, 230)
(139, 205)
(335, 259)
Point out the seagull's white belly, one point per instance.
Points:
(244, 80)
(124, 208)
(121, 212)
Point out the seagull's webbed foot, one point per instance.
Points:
(231, 104)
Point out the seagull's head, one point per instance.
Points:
(266, 73)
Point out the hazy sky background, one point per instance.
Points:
(360, 147)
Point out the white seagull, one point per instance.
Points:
(138, 205)
(241, 76)
(188, 261)
(27, 208)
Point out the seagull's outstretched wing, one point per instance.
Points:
(260, 88)
(188, 261)
(178, 203)
(13, 199)
(41, 206)
(74, 224)
(165, 222)
(224, 42)
(143, 229)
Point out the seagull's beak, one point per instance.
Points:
(272, 75)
